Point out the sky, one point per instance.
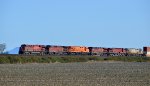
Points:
(101, 23)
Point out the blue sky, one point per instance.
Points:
(103, 23)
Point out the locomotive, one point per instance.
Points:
(81, 50)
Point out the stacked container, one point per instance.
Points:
(146, 51)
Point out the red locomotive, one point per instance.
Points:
(32, 49)
(81, 50)
(97, 51)
(117, 51)
(52, 50)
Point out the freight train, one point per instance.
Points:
(81, 50)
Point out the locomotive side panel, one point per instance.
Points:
(32, 49)
(117, 52)
(96, 50)
(54, 50)
(78, 50)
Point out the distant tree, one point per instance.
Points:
(6, 52)
(2, 48)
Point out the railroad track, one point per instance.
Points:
(22, 55)
(42, 55)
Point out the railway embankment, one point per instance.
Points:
(14, 59)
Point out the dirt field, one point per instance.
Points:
(76, 74)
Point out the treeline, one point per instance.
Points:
(66, 59)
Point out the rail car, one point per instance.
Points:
(146, 51)
(81, 50)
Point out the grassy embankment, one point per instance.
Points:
(66, 59)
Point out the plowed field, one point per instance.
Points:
(76, 74)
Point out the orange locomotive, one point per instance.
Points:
(78, 50)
